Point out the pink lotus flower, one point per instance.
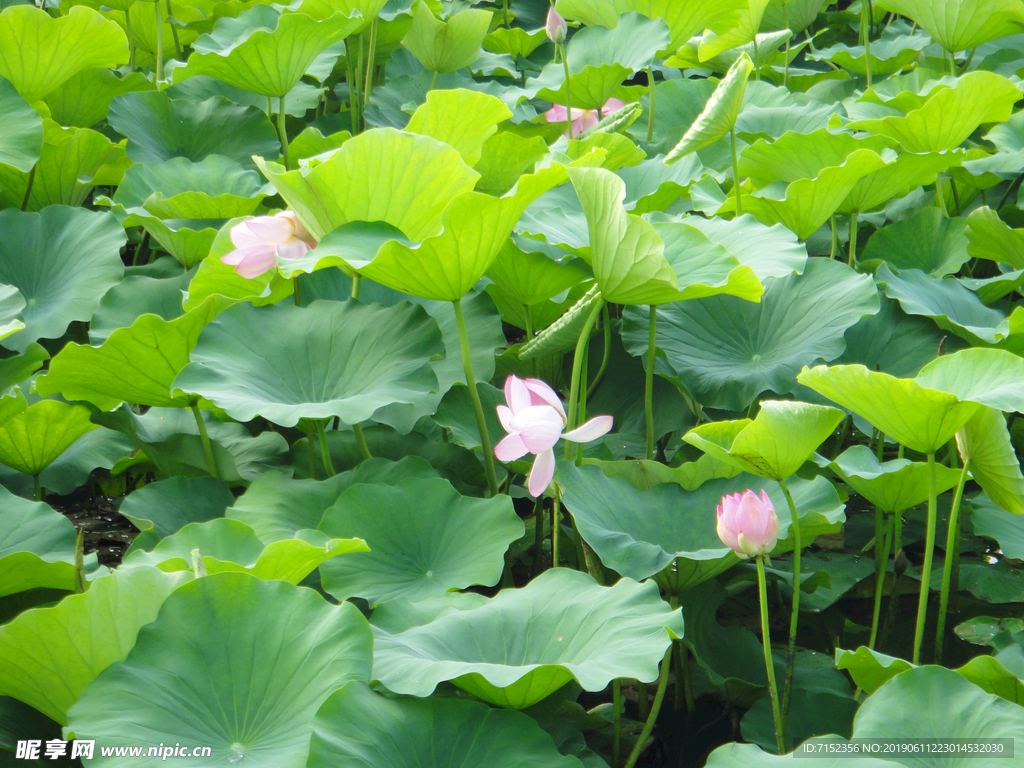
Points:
(534, 419)
(582, 119)
(747, 524)
(555, 26)
(259, 241)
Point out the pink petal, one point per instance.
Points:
(725, 533)
(612, 105)
(510, 448)
(272, 229)
(593, 429)
(293, 249)
(300, 231)
(540, 426)
(556, 114)
(586, 121)
(242, 237)
(516, 394)
(542, 394)
(505, 417)
(248, 255)
(541, 473)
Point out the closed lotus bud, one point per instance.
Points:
(556, 26)
(747, 524)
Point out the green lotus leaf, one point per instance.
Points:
(974, 22)
(894, 49)
(898, 178)
(160, 128)
(367, 10)
(445, 46)
(527, 643)
(928, 241)
(272, 347)
(431, 541)
(775, 444)
(743, 29)
(738, 755)
(461, 118)
(992, 377)
(640, 532)
(653, 186)
(727, 351)
(870, 669)
(893, 486)
(71, 163)
(38, 547)
(264, 50)
(769, 251)
(83, 100)
(11, 305)
(990, 238)
(302, 97)
(31, 440)
(533, 276)
(155, 290)
(505, 157)
(994, 466)
(277, 507)
(994, 522)
(362, 729)
(39, 52)
(795, 156)
(232, 546)
(921, 418)
(720, 112)
(380, 175)
(20, 367)
(21, 128)
(163, 508)
(233, 663)
(143, 34)
(137, 364)
(514, 41)
(950, 114)
(50, 655)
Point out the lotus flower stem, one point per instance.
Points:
(835, 237)
(131, 45)
(652, 330)
(852, 260)
(355, 286)
(659, 697)
(325, 451)
(37, 486)
(882, 559)
(605, 354)
(773, 691)
(81, 582)
(865, 30)
(616, 721)
(158, 54)
(735, 173)
(174, 31)
(577, 363)
(650, 111)
(359, 84)
(538, 535)
(433, 81)
(926, 567)
(372, 55)
(794, 618)
(364, 449)
(204, 436)
(556, 527)
(474, 395)
(584, 388)
(568, 102)
(296, 291)
(283, 133)
(952, 554)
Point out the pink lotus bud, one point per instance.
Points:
(556, 26)
(747, 524)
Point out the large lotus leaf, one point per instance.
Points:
(743, 30)
(143, 35)
(277, 507)
(84, 99)
(444, 46)
(894, 49)
(431, 540)
(327, 359)
(739, 755)
(37, 548)
(898, 178)
(869, 668)
(163, 508)
(11, 305)
(39, 52)
(155, 289)
(640, 532)
(21, 128)
(160, 128)
(230, 545)
(361, 729)
(264, 50)
(920, 418)
(380, 175)
(535, 275)
(302, 97)
(967, 25)
(993, 522)
(62, 260)
(893, 486)
(527, 643)
(233, 663)
(992, 377)
(720, 112)
(990, 238)
(950, 114)
(775, 444)
(31, 440)
(137, 364)
(994, 465)
(795, 156)
(461, 118)
(769, 251)
(928, 241)
(71, 163)
(505, 157)
(367, 9)
(727, 351)
(51, 654)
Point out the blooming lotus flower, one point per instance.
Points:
(747, 524)
(534, 419)
(259, 241)
(583, 119)
(555, 26)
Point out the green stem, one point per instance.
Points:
(605, 354)
(359, 83)
(368, 87)
(296, 291)
(204, 436)
(364, 449)
(528, 316)
(773, 691)
(325, 451)
(852, 260)
(174, 30)
(312, 453)
(504, 8)
(38, 487)
(794, 619)
(785, 71)
(952, 540)
(131, 45)
(584, 388)
(642, 699)
(880, 581)
(926, 567)
(650, 110)
(283, 134)
(159, 53)
(865, 28)
(433, 81)
(556, 528)
(940, 198)
(568, 101)
(652, 329)
(835, 237)
(952, 63)
(28, 188)
(616, 721)
(474, 395)
(355, 286)
(735, 173)
(81, 583)
(577, 364)
(538, 535)
(659, 696)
